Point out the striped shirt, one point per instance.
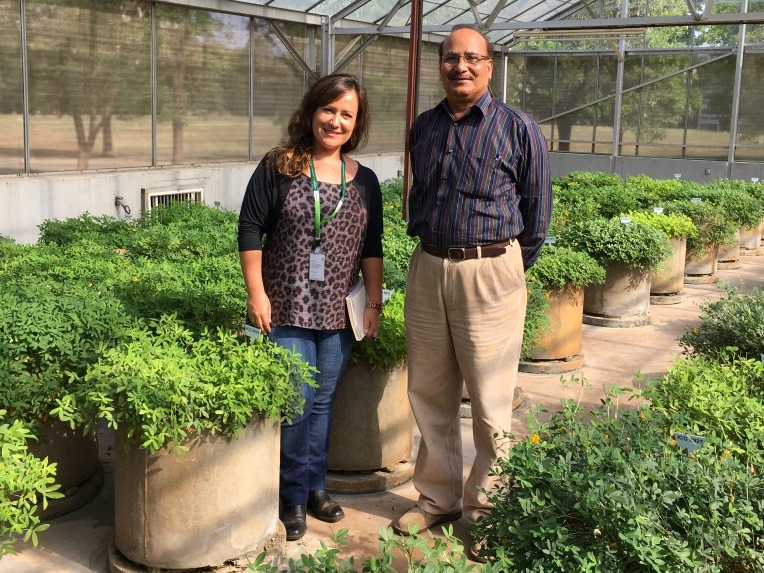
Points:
(479, 180)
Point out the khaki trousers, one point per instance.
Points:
(464, 325)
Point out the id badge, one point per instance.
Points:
(317, 266)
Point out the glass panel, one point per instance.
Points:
(11, 94)
(90, 90)
(202, 78)
(279, 83)
(750, 138)
(655, 113)
(430, 88)
(384, 77)
(354, 65)
(710, 107)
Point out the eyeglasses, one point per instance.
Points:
(470, 58)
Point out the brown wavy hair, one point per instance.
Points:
(293, 156)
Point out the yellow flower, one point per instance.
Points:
(606, 436)
(726, 453)
(673, 442)
(642, 416)
(135, 278)
(535, 439)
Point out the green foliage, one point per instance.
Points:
(653, 192)
(739, 206)
(676, 226)
(570, 205)
(26, 483)
(183, 241)
(163, 382)
(104, 230)
(634, 245)
(205, 292)
(560, 266)
(579, 180)
(736, 320)
(190, 212)
(422, 554)
(50, 331)
(389, 349)
(607, 490)
(397, 245)
(710, 221)
(724, 402)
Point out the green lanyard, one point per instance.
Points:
(317, 220)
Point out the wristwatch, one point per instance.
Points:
(374, 305)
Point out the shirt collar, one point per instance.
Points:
(483, 104)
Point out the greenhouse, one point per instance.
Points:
(107, 100)
(568, 353)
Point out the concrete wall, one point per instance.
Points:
(28, 200)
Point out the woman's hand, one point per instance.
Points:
(259, 310)
(371, 322)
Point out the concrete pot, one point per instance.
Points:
(623, 300)
(216, 502)
(750, 237)
(730, 252)
(703, 263)
(372, 422)
(566, 322)
(669, 278)
(77, 469)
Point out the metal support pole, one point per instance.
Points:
(154, 96)
(619, 95)
(24, 83)
(735, 112)
(412, 95)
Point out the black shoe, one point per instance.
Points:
(293, 519)
(323, 507)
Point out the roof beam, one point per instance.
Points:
(598, 24)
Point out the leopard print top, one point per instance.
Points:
(295, 300)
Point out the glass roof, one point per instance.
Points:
(501, 17)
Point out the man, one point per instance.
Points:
(480, 204)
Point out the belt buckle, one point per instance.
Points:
(457, 250)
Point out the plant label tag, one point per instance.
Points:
(550, 240)
(658, 210)
(317, 266)
(386, 292)
(696, 199)
(688, 442)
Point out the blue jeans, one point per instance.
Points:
(305, 442)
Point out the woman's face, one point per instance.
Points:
(333, 123)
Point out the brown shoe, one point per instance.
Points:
(422, 519)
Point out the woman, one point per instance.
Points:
(321, 212)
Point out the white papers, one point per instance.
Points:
(356, 303)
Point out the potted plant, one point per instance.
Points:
(51, 331)
(27, 483)
(563, 274)
(713, 230)
(667, 282)
(743, 210)
(372, 423)
(197, 434)
(629, 252)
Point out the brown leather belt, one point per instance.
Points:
(467, 253)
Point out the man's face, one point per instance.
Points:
(465, 82)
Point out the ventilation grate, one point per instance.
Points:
(154, 197)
